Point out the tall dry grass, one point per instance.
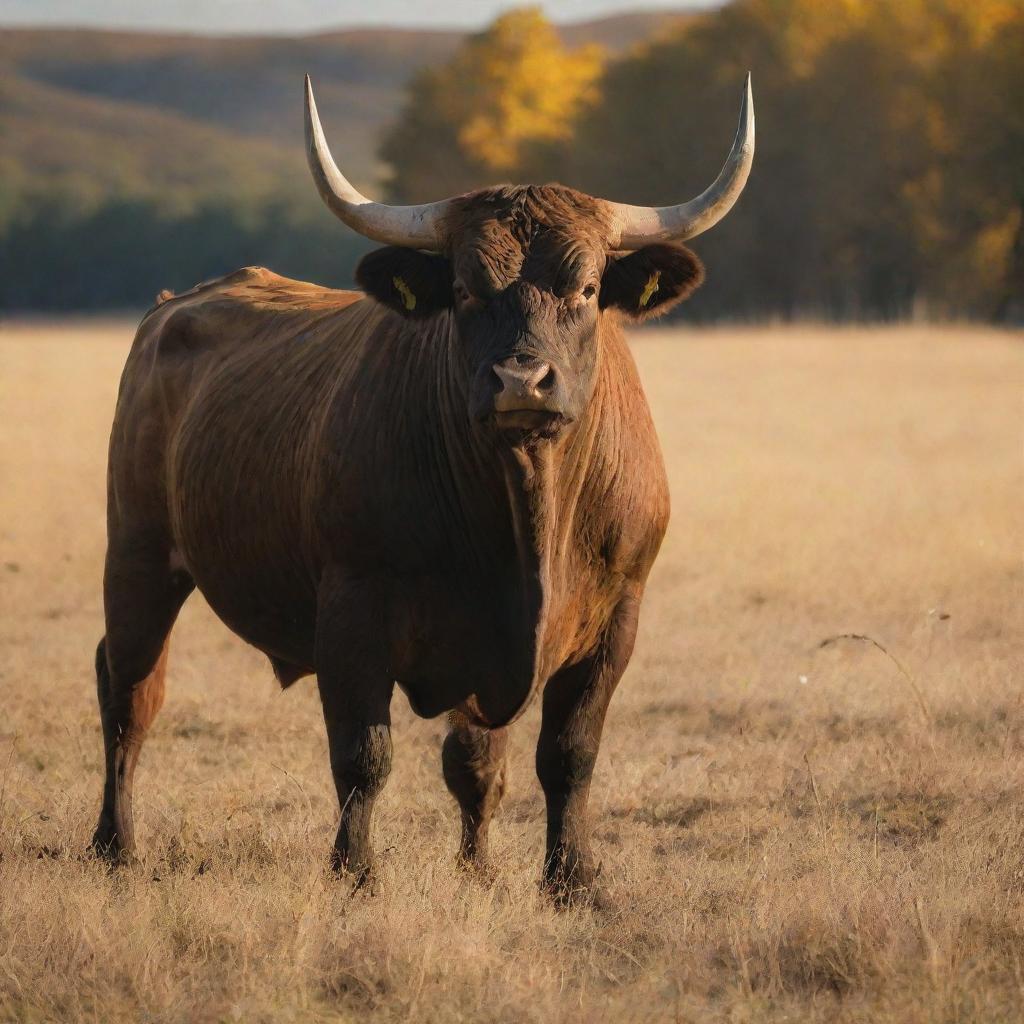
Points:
(787, 831)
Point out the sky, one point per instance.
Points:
(246, 17)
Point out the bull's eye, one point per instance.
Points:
(590, 291)
(461, 293)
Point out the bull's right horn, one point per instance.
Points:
(637, 226)
(415, 227)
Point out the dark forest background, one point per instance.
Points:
(888, 181)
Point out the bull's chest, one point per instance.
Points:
(487, 645)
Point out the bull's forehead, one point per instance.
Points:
(549, 235)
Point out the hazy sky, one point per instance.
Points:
(294, 16)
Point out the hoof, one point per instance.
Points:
(479, 869)
(565, 897)
(361, 878)
(591, 897)
(112, 857)
(106, 845)
(576, 888)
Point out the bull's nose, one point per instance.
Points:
(524, 383)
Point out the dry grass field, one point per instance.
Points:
(788, 831)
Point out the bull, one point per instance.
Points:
(449, 481)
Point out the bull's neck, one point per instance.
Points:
(536, 493)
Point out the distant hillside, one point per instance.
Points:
(133, 162)
(73, 142)
(109, 112)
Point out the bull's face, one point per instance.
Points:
(527, 274)
(527, 281)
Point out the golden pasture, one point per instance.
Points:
(787, 831)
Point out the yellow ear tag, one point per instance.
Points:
(405, 291)
(650, 288)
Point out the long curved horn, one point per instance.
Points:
(416, 227)
(636, 226)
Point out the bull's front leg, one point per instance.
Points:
(355, 691)
(575, 701)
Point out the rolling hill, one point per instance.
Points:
(123, 112)
(132, 162)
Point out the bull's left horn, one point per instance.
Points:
(416, 227)
(636, 226)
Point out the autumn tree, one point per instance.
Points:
(976, 213)
(473, 121)
(889, 175)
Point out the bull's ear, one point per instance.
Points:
(413, 283)
(651, 280)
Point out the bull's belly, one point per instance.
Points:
(443, 652)
(269, 609)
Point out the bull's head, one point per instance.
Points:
(527, 274)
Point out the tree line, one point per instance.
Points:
(889, 175)
(119, 252)
(888, 180)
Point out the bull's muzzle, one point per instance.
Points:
(527, 393)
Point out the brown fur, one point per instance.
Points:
(326, 471)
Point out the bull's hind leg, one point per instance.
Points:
(142, 597)
(473, 760)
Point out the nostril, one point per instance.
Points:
(525, 376)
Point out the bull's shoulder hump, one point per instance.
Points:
(234, 310)
(254, 287)
(263, 289)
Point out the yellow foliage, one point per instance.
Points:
(986, 258)
(892, 137)
(512, 85)
(929, 28)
